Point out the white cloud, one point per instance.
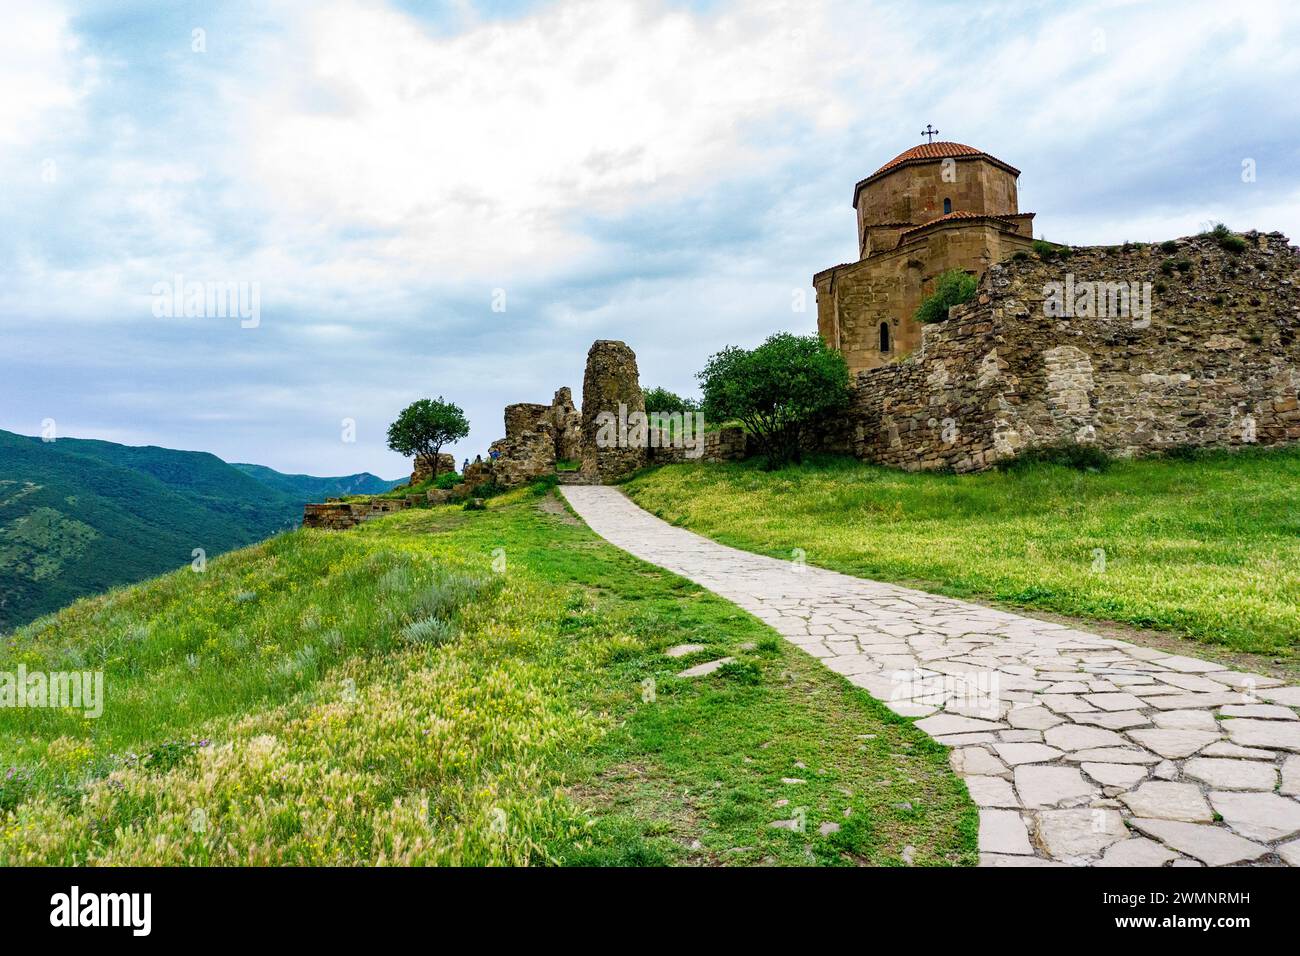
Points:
(476, 152)
(43, 72)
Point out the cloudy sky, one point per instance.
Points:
(456, 198)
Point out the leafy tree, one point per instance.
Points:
(661, 403)
(424, 427)
(780, 391)
(659, 399)
(951, 288)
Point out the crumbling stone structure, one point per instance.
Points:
(1216, 362)
(611, 384)
(424, 467)
(539, 436)
(526, 453)
(336, 515)
(566, 426)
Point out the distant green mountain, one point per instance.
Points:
(79, 516)
(310, 488)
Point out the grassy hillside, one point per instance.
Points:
(1209, 547)
(307, 488)
(78, 517)
(443, 686)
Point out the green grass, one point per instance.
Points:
(1208, 546)
(451, 687)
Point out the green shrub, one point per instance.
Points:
(543, 484)
(446, 481)
(1051, 251)
(450, 592)
(431, 631)
(953, 287)
(742, 672)
(165, 756)
(1080, 457)
(1226, 238)
(781, 391)
(1019, 255)
(1169, 245)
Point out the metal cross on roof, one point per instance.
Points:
(929, 132)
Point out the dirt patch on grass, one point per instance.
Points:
(552, 505)
(660, 807)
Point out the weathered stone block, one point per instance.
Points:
(610, 386)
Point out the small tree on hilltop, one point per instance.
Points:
(780, 391)
(424, 427)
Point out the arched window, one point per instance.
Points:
(947, 206)
(884, 336)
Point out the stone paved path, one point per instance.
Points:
(1078, 749)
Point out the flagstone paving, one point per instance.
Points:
(1079, 749)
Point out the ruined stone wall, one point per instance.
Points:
(537, 436)
(611, 379)
(525, 417)
(335, 515)
(723, 444)
(1217, 364)
(566, 426)
(525, 457)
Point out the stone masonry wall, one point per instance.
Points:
(611, 379)
(1218, 364)
(723, 444)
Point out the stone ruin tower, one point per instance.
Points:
(611, 380)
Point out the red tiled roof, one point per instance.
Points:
(959, 214)
(927, 152)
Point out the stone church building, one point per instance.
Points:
(935, 207)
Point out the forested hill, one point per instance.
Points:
(79, 516)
